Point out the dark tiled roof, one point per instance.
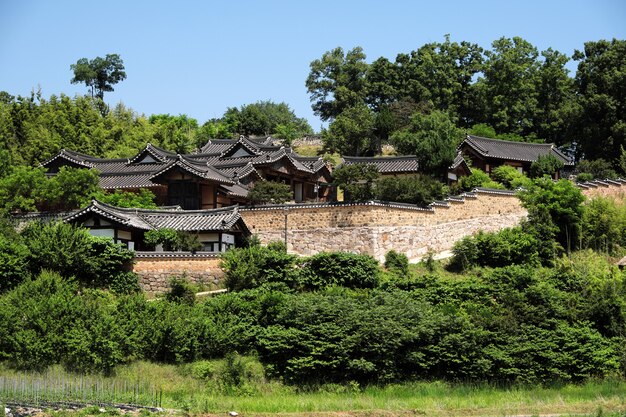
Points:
(459, 161)
(513, 151)
(120, 181)
(222, 219)
(198, 169)
(386, 164)
(211, 164)
(157, 153)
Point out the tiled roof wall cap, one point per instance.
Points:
(196, 255)
(337, 204)
(493, 191)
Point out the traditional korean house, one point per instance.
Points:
(406, 165)
(220, 174)
(487, 154)
(217, 229)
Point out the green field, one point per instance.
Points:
(202, 388)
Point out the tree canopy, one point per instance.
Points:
(99, 74)
(511, 91)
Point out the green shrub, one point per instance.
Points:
(506, 247)
(254, 266)
(477, 179)
(181, 291)
(339, 268)
(397, 262)
(266, 192)
(419, 189)
(14, 266)
(545, 165)
(34, 318)
(165, 236)
(510, 177)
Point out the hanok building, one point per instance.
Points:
(217, 229)
(220, 174)
(487, 154)
(405, 165)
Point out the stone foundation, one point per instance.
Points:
(155, 269)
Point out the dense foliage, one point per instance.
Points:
(25, 189)
(508, 324)
(510, 91)
(264, 192)
(70, 251)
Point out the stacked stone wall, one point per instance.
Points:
(376, 228)
(156, 269)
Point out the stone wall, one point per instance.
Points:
(607, 189)
(375, 228)
(155, 269)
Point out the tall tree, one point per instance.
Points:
(433, 138)
(261, 118)
(352, 132)
(99, 74)
(507, 91)
(600, 122)
(555, 95)
(337, 81)
(442, 73)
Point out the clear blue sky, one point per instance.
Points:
(200, 57)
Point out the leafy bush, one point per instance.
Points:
(96, 262)
(265, 192)
(419, 189)
(143, 199)
(14, 267)
(477, 179)
(604, 225)
(165, 236)
(510, 177)
(339, 268)
(556, 203)
(506, 247)
(181, 291)
(254, 266)
(597, 168)
(356, 181)
(34, 317)
(173, 240)
(397, 262)
(545, 165)
(58, 247)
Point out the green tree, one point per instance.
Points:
(337, 81)
(507, 89)
(22, 189)
(264, 192)
(356, 181)
(478, 178)
(177, 133)
(419, 189)
(351, 132)
(70, 188)
(545, 165)
(599, 124)
(99, 74)
(143, 199)
(510, 177)
(433, 138)
(558, 203)
(555, 98)
(597, 168)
